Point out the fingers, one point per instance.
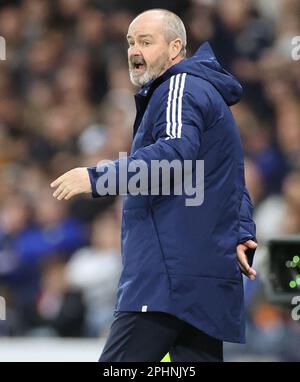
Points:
(242, 258)
(63, 178)
(250, 244)
(66, 192)
(243, 262)
(65, 186)
(58, 181)
(251, 273)
(73, 182)
(72, 193)
(59, 190)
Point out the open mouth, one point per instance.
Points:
(140, 67)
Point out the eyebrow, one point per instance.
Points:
(140, 36)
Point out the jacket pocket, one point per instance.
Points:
(141, 252)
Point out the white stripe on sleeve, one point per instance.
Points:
(174, 106)
(168, 129)
(180, 105)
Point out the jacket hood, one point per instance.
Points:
(205, 65)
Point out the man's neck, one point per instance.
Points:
(174, 62)
(177, 60)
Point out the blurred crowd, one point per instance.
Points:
(66, 101)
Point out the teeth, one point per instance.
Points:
(138, 65)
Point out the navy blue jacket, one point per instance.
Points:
(181, 259)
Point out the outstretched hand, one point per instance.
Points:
(73, 182)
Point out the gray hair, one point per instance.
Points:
(173, 28)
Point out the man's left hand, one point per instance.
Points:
(242, 258)
(73, 182)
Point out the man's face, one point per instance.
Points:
(148, 52)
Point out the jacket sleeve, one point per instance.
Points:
(247, 225)
(247, 229)
(177, 128)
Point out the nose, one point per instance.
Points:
(134, 50)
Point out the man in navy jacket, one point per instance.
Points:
(181, 288)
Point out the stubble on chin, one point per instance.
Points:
(139, 80)
(150, 73)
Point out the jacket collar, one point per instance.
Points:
(151, 85)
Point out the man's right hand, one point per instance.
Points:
(73, 182)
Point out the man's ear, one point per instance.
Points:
(176, 46)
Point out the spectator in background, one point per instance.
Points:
(28, 239)
(260, 147)
(59, 309)
(279, 215)
(95, 270)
